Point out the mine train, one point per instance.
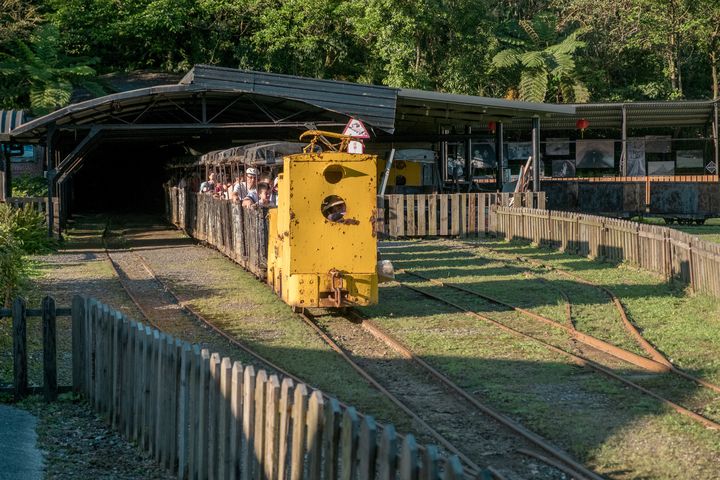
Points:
(322, 247)
(321, 241)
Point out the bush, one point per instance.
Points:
(27, 229)
(27, 186)
(13, 269)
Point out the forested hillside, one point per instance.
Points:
(541, 50)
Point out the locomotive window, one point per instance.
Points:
(333, 173)
(333, 208)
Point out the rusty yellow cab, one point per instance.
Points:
(322, 248)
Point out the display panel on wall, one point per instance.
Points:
(557, 147)
(483, 154)
(658, 143)
(689, 158)
(519, 150)
(636, 157)
(563, 168)
(661, 168)
(595, 154)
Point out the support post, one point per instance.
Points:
(7, 169)
(468, 156)
(623, 154)
(20, 373)
(716, 131)
(49, 349)
(50, 155)
(444, 153)
(536, 153)
(500, 154)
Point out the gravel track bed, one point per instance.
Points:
(482, 439)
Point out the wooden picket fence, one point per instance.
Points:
(663, 250)
(456, 214)
(19, 313)
(202, 416)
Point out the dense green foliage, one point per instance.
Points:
(22, 232)
(29, 186)
(552, 50)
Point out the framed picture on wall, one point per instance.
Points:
(563, 168)
(658, 143)
(689, 159)
(661, 168)
(636, 157)
(595, 154)
(557, 147)
(519, 150)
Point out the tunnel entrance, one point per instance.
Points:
(122, 178)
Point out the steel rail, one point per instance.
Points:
(647, 346)
(473, 472)
(309, 319)
(603, 346)
(578, 359)
(580, 470)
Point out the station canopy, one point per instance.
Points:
(245, 106)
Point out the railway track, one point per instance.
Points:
(538, 448)
(587, 340)
(632, 330)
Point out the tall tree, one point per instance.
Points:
(44, 75)
(544, 60)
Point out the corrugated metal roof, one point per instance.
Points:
(697, 113)
(373, 104)
(10, 119)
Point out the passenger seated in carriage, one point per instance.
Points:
(209, 185)
(241, 189)
(259, 197)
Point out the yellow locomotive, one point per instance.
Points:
(322, 248)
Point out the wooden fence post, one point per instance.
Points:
(331, 438)
(49, 349)
(367, 448)
(224, 419)
(299, 429)
(183, 417)
(79, 339)
(20, 374)
(453, 469)
(409, 459)
(286, 401)
(430, 463)
(272, 424)
(387, 454)
(248, 424)
(213, 412)
(315, 432)
(259, 428)
(350, 427)
(236, 412)
(201, 448)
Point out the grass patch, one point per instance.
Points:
(591, 416)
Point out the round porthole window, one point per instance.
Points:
(333, 208)
(333, 173)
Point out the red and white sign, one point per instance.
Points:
(356, 128)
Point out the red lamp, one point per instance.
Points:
(582, 124)
(491, 126)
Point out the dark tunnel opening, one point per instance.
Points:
(118, 178)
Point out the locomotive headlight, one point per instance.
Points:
(385, 271)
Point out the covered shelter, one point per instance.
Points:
(109, 152)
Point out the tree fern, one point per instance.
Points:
(533, 85)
